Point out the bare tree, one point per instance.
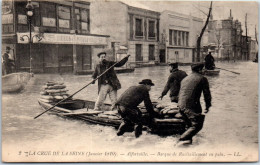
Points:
(202, 32)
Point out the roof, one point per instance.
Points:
(138, 5)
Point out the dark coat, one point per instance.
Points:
(133, 96)
(110, 75)
(209, 62)
(7, 64)
(174, 83)
(191, 88)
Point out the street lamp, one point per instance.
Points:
(29, 13)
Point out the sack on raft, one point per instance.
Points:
(51, 83)
(57, 87)
(45, 100)
(47, 97)
(58, 97)
(173, 121)
(56, 90)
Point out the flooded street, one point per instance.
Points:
(231, 122)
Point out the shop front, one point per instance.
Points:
(57, 53)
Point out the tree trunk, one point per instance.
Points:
(202, 32)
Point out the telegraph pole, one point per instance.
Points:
(246, 39)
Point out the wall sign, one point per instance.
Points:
(7, 19)
(64, 23)
(49, 22)
(54, 38)
(22, 19)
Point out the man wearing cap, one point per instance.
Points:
(7, 62)
(189, 101)
(127, 106)
(209, 62)
(107, 83)
(174, 82)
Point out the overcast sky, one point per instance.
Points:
(221, 10)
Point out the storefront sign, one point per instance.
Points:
(22, 19)
(7, 19)
(54, 38)
(64, 23)
(49, 22)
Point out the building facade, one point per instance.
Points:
(226, 40)
(178, 36)
(132, 28)
(253, 50)
(61, 40)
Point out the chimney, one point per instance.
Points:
(230, 15)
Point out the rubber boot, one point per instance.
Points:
(121, 129)
(138, 130)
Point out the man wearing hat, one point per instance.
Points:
(174, 82)
(7, 62)
(107, 83)
(189, 101)
(209, 62)
(127, 106)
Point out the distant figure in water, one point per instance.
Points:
(209, 62)
(7, 62)
(189, 102)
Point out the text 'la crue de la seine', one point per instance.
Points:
(128, 154)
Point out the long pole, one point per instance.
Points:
(30, 44)
(78, 90)
(256, 36)
(227, 70)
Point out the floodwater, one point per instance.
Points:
(231, 122)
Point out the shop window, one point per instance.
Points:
(84, 20)
(179, 38)
(151, 29)
(138, 27)
(151, 52)
(7, 17)
(187, 38)
(36, 20)
(22, 25)
(170, 37)
(77, 17)
(64, 18)
(175, 37)
(48, 13)
(138, 52)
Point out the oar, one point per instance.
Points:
(228, 70)
(78, 90)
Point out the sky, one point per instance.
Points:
(220, 10)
